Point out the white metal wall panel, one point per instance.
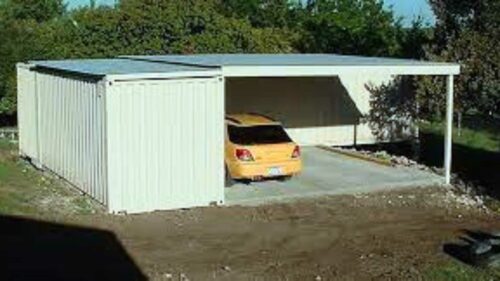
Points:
(314, 110)
(360, 86)
(72, 131)
(165, 141)
(27, 112)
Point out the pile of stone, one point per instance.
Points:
(463, 193)
(469, 201)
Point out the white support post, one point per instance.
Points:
(449, 129)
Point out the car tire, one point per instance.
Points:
(229, 181)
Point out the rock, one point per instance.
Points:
(168, 276)
(226, 268)
(318, 278)
(183, 277)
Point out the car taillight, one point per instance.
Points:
(296, 152)
(244, 154)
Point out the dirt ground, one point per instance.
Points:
(385, 236)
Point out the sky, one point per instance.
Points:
(410, 9)
(407, 9)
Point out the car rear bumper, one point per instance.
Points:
(240, 170)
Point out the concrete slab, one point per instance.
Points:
(329, 173)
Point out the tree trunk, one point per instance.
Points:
(416, 137)
(438, 111)
(459, 123)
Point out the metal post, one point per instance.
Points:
(449, 129)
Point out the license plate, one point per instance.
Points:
(274, 171)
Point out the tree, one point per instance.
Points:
(412, 39)
(37, 10)
(361, 27)
(19, 23)
(467, 32)
(262, 13)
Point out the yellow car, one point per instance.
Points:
(257, 147)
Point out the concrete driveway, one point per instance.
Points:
(329, 173)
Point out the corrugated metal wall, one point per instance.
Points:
(165, 140)
(27, 112)
(72, 131)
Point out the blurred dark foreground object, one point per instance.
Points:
(477, 248)
(36, 250)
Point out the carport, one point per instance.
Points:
(144, 133)
(320, 98)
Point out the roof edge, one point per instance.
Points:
(303, 71)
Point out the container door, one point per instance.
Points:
(165, 144)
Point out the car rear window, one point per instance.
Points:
(266, 134)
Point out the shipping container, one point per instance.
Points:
(134, 141)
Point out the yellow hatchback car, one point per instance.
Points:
(257, 147)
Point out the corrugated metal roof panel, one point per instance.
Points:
(102, 67)
(219, 60)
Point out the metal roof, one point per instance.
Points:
(218, 60)
(244, 65)
(304, 64)
(119, 66)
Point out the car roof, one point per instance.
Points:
(250, 119)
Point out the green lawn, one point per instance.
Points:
(454, 271)
(487, 139)
(25, 191)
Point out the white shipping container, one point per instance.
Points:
(135, 143)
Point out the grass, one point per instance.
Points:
(484, 138)
(453, 271)
(27, 192)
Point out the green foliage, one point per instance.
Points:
(361, 27)
(133, 27)
(262, 13)
(467, 32)
(413, 39)
(39, 11)
(478, 138)
(453, 271)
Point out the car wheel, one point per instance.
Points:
(229, 181)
